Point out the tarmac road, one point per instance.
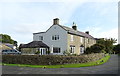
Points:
(110, 67)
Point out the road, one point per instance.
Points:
(110, 67)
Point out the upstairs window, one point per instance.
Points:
(81, 39)
(55, 37)
(71, 37)
(56, 50)
(87, 40)
(40, 38)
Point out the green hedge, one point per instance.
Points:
(50, 59)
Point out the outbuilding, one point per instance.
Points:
(34, 47)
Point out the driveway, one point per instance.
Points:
(111, 67)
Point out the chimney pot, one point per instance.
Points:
(74, 26)
(87, 32)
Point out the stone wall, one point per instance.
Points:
(50, 59)
(86, 42)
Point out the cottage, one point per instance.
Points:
(61, 39)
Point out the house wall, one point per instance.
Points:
(36, 36)
(28, 51)
(77, 42)
(89, 42)
(47, 38)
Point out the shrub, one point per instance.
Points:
(96, 48)
(49, 59)
(117, 49)
(38, 52)
(66, 52)
(48, 52)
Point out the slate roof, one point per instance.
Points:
(76, 32)
(34, 44)
(72, 31)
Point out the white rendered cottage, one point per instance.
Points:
(62, 39)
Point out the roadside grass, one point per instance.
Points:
(98, 62)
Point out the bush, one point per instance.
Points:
(50, 59)
(117, 49)
(38, 52)
(96, 48)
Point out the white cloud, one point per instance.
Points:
(59, 0)
(22, 21)
(43, 0)
(99, 32)
(113, 33)
(36, 19)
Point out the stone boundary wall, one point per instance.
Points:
(50, 59)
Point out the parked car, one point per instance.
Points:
(11, 51)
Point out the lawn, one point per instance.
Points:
(98, 62)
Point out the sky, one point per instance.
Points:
(21, 18)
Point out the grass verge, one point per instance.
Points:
(98, 62)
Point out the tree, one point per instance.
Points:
(117, 49)
(96, 48)
(107, 43)
(4, 38)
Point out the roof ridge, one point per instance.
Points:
(77, 31)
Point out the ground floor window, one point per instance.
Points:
(81, 50)
(56, 50)
(72, 49)
(43, 51)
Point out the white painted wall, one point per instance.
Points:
(47, 38)
(36, 36)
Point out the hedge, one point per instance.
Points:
(50, 59)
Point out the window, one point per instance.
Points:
(72, 49)
(81, 50)
(40, 37)
(81, 39)
(56, 50)
(55, 37)
(71, 37)
(87, 40)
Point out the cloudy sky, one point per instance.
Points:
(21, 18)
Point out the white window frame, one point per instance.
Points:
(72, 49)
(72, 38)
(87, 40)
(40, 38)
(81, 50)
(55, 37)
(81, 39)
(58, 48)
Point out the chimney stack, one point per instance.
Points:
(56, 21)
(87, 32)
(74, 26)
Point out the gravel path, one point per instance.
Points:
(111, 67)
